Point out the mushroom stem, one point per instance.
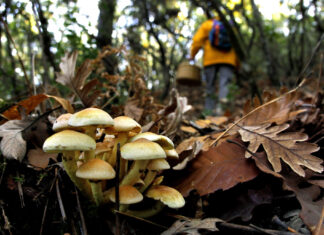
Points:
(70, 166)
(134, 173)
(155, 209)
(97, 192)
(90, 131)
(149, 178)
(122, 139)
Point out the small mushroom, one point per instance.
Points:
(140, 151)
(127, 195)
(69, 143)
(154, 167)
(89, 120)
(164, 141)
(95, 170)
(123, 128)
(167, 195)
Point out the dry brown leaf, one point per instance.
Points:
(222, 167)
(203, 123)
(278, 112)
(27, 104)
(188, 129)
(308, 197)
(132, 110)
(285, 146)
(39, 159)
(217, 120)
(192, 226)
(65, 103)
(87, 93)
(178, 105)
(13, 146)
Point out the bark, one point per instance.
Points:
(105, 29)
(162, 60)
(45, 41)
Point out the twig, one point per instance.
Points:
(20, 191)
(117, 189)
(261, 229)
(110, 100)
(45, 209)
(3, 170)
(6, 220)
(59, 198)
(19, 57)
(276, 220)
(84, 227)
(311, 58)
(252, 229)
(320, 223)
(141, 219)
(258, 108)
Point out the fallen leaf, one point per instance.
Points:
(188, 129)
(243, 206)
(279, 110)
(132, 110)
(13, 146)
(308, 197)
(285, 146)
(86, 92)
(65, 103)
(192, 226)
(27, 104)
(39, 159)
(221, 167)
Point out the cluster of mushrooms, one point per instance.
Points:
(92, 166)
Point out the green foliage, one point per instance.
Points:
(159, 31)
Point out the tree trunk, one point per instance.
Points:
(105, 29)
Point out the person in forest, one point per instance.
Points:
(218, 62)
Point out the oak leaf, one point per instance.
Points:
(76, 81)
(13, 146)
(221, 167)
(192, 226)
(278, 110)
(285, 146)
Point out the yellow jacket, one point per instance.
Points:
(211, 55)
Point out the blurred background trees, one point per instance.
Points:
(35, 35)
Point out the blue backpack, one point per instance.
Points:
(219, 37)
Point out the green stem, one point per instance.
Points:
(70, 166)
(135, 172)
(90, 131)
(149, 178)
(97, 192)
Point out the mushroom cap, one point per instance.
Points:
(158, 165)
(127, 195)
(68, 140)
(91, 117)
(96, 169)
(124, 124)
(169, 196)
(142, 149)
(61, 122)
(172, 153)
(164, 141)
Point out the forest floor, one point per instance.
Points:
(45, 201)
